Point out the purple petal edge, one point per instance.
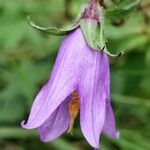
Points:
(56, 124)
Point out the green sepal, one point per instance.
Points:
(92, 32)
(54, 30)
(116, 56)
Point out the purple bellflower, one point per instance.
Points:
(79, 82)
(85, 74)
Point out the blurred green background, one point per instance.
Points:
(27, 56)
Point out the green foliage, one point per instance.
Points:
(27, 56)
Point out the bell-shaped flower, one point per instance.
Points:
(79, 82)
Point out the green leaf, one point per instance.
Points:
(132, 139)
(131, 100)
(123, 5)
(14, 132)
(120, 9)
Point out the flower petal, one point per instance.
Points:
(61, 83)
(92, 96)
(56, 124)
(109, 125)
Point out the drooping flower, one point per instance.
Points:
(80, 81)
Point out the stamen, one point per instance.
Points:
(74, 106)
